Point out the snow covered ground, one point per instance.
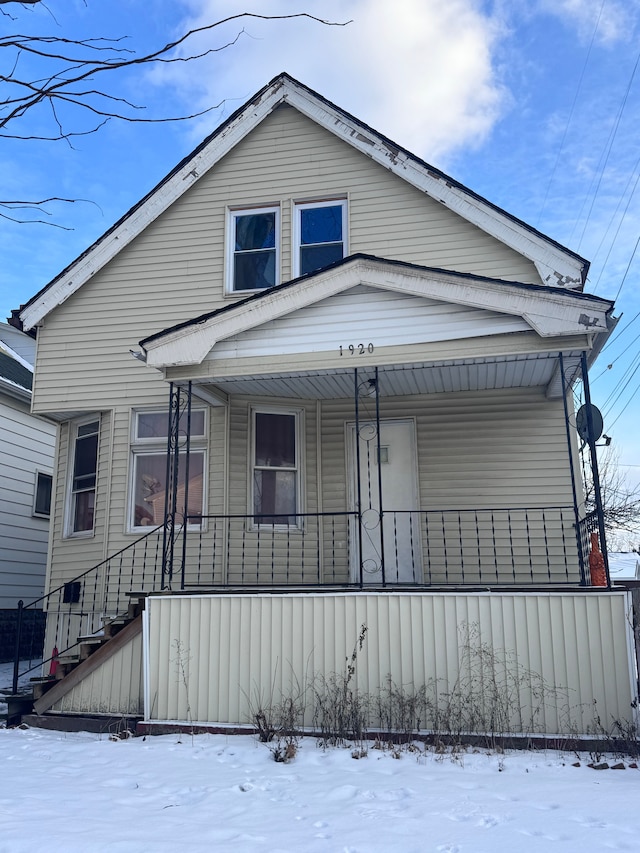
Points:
(85, 793)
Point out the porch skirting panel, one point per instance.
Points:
(551, 663)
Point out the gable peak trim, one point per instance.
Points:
(556, 265)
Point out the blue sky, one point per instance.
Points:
(534, 104)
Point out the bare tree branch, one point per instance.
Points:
(621, 502)
(52, 71)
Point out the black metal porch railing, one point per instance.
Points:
(79, 606)
(273, 550)
(510, 547)
(500, 547)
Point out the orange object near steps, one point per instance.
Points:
(596, 563)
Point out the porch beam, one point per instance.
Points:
(430, 353)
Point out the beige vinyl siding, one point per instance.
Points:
(26, 447)
(368, 315)
(114, 688)
(481, 450)
(175, 269)
(485, 448)
(240, 651)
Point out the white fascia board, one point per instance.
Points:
(556, 267)
(105, 250)
(549, 313)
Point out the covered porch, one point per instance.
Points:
(384, 506)
(384, 424)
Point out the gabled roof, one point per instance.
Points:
(556, 265)
(549, 311)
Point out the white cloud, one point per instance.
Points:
(420, 71)
(611, 20)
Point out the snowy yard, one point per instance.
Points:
(84, 793)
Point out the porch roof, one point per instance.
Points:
(434, 330)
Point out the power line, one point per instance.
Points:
(607, 149)
(609, 366)
(571, 111)
(616, 334)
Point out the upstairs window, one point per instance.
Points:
(82, 501)
(253, 250)
(320, 235)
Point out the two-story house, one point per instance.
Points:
(310, 383)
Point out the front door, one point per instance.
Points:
(392, 530)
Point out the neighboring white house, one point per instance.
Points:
(350, 403)
(27, 445)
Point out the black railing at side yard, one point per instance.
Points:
(80, 606)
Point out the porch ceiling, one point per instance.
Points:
(478, 374)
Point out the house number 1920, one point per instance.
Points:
(356, 349)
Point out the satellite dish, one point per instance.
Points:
(582, 422)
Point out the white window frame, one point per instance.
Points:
(70, 500)
(297, 228)
(34, 511)
(298, 414)
(155, 445)
(232, 215)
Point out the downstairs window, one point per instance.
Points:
(149, 469)
(275, 498)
